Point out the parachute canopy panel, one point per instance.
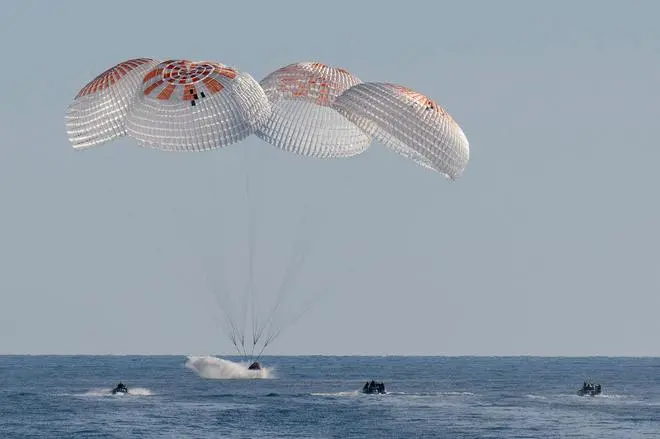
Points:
(98, 113)
(302, 119)
(196, 106)
(409, 123)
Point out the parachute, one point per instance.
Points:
(305, 108)
(302, 119)
(98, 112)
(409, 123)
(192, 106)
(175, 105)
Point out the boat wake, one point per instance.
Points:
(353, 393)
(132, 391)
(606, 399)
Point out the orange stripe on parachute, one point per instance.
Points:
(189, 92)
(148, 90)
(212, 84)
(166, 93)
(151, 75)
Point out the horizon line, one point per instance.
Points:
(326, 355)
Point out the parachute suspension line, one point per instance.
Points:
(284, 288)
(273, 335)
(234, 331)
(293, 269)
(229, 327)
(251, 258)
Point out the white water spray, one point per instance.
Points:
(220, 369)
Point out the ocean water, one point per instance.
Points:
(318, 397)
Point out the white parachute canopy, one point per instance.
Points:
(98, 113)
(302, 119)
(196, 106)
(408, 123)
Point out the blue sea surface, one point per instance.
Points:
(318, 397)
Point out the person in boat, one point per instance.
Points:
(373, 387)
(255, 366)
(366, 388)
(121, 388)
(589, 389)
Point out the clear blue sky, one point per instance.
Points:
(548, 243)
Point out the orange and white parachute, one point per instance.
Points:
(98, 113)
(409, 123)
(306, 108)
(302, 120)
(196, 106)
(175, 105)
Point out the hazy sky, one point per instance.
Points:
(548, 244)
